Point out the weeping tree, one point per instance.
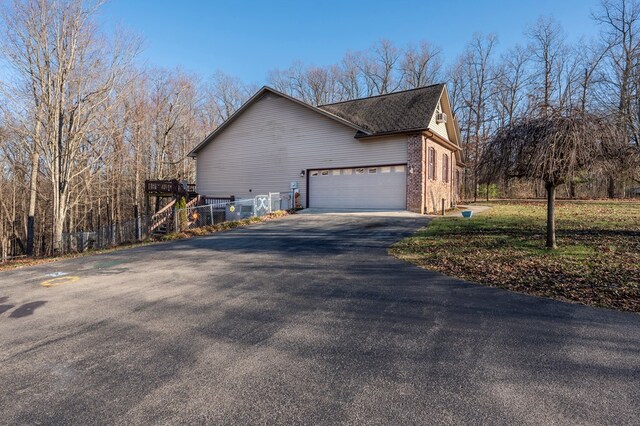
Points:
(554, 149)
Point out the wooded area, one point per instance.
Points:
(83, 125)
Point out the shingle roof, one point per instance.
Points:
(395, 112)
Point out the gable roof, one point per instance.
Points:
(396, 112)
(393, 113)
(259, 94)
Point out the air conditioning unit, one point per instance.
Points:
(441, 117)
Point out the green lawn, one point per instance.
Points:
(597, 263)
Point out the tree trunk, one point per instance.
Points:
(59, 217)
(33, 186)
(551, 220)
(611, 187)
(572, 190)
(58, 224)
(475, 183)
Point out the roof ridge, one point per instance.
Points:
(310, 106)
(386, 94)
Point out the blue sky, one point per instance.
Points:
(249, 38)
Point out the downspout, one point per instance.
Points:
(452, 201)
(424, 175)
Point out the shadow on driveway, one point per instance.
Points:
(307, 320)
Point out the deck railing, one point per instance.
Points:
(216, 201)
(153, 187)
(162, 217)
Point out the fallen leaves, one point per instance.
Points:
(598, 262)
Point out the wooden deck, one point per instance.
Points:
(167, 188)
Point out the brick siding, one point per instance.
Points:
(415, 173)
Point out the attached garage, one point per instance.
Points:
(372, 187)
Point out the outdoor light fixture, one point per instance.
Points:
(302, 173)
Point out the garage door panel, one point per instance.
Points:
(371, 187)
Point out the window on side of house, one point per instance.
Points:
(432, 163)
(445, 168)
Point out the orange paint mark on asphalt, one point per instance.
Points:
(59, 281)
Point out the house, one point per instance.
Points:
(394, 151)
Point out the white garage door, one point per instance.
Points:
(375, 187)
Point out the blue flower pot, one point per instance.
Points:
(467, 213)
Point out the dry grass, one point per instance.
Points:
(207, 230)
(597, 263)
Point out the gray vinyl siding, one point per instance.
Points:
(267, 146)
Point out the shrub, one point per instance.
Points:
(183, 220)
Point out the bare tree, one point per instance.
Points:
(71, 71)
(591, 57)
(228, 93)
(349, 82)
(552, 149)
(420, 66)
(167, 105)
(379, 69)
(313, 85)
(511, 85)
(461, 95)
(281, 80)
(549, 52)
(482, 78)
(25, 47)
(320, 85)
(620, 21)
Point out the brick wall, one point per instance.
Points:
(437, 189)
(424, 195)
(458, 179)
(415, 173)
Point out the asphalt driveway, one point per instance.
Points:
(303, 320)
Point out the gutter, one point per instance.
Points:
(442, 141)
(390, 133)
